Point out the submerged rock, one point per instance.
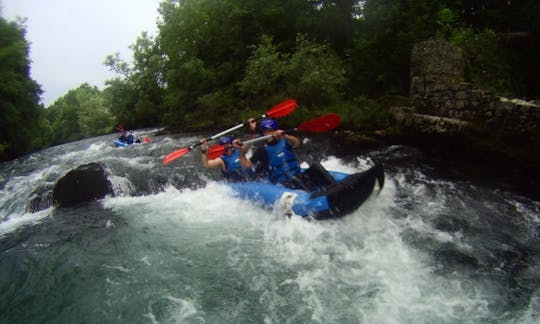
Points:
(40, 199)
(83, 184)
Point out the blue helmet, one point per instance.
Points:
(226, 140)
(268, 124)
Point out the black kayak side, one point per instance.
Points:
(346, 196)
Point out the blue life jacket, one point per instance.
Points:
(123, 138)
(234, 171)
(281, 161)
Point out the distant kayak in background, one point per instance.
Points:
(130, 139)
(118, 142)
(127, 138)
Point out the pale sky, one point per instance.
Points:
(69, 39)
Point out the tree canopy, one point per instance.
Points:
(20, 115)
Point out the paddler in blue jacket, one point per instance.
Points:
(228, 162)
(277, 161)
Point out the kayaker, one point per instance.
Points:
(123, 134)
(132, 139)
(128, 138)
(277, 161)
(228, 162)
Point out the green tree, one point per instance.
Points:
(136, 98)
(148, 78)
(333, 22)
(21, 115)
(204, 42)
(312, 74)
(380, 57)
(315, 74)
(81, 113)
(499, 16)
(266, 70)
(93, 116)
(121, 97)
(488, 65)
(509, 31)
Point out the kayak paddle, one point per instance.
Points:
(280, 110)
(321, 124)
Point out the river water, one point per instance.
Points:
(172, 245)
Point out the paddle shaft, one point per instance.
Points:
(216, 150)
(280, 110)
(317, 125)
(321, 124)
(232, 129)
(265, 137)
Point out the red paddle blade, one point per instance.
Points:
(321, 124)
(282, 109)
(175, 155)
(215, 151)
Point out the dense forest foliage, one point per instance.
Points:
(216, 62)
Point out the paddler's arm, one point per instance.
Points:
(242, 149)
(215, 163)
(293, 141)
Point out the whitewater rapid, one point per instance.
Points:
(173, 245)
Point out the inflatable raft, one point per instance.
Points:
(120, 143)
(334, 201)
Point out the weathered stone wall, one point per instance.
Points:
(437, 58)
(438, 89)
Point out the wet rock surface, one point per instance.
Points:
(83, 184)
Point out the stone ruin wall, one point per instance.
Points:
(440, 95)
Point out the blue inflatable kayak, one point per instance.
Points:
(119, 143)
(334, 201)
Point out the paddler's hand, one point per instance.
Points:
(279, 133)
(252, 124)
(292, 140)
(204, 145)
(237, 143)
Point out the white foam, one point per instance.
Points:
(364, 253)
(210, 204)
(14, 221)
(121, 186)
(335, 164)
(183, 310)
(117, 268)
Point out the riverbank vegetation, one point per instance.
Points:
(214, 63)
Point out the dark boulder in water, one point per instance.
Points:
(83, 184)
